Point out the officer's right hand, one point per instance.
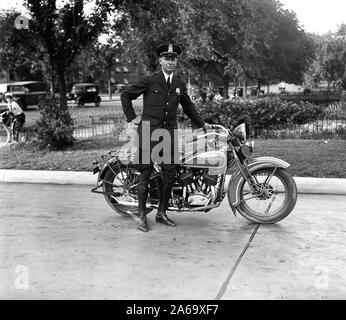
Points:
(133, 124)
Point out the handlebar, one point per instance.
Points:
(9, 114)
(219, 126)
(224, 133)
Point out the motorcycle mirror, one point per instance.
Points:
(240, 131)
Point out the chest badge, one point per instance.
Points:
(177, 90)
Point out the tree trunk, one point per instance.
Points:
(62, 87)
(7, 74)
(52, 89)
(259, 83)
(110, 84)
(225, 87)
(138, 71)
(245, 90)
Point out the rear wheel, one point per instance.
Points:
(275, 200)
(80, 103)
(98, 102)
(120, 187)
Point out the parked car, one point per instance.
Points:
(83, 93)
(27, 93)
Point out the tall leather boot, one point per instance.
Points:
(161, 216)
(142, 200)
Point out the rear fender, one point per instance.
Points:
(106, 168)
(233, 189)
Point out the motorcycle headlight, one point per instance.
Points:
(240, 131)
(247, 148)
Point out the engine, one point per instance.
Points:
(198, 187)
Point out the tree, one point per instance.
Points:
(214, 33)
(19, 56)
(106, 55)
(63, 32)
(330, 58)
(277, 48)
(149, 24)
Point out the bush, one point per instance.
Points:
(260, 114)
(54, 129)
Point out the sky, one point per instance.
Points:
(317, 16)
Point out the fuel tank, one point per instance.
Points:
(206, 152)
(215, 161)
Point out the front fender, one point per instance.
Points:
(270, 162)
(233, 189)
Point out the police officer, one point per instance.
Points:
(162, 93)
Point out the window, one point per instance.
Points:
(17, 89)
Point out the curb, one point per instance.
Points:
(304, 185)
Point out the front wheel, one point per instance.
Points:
(274, 200)
(4, 135)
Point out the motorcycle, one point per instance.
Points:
(262, 190)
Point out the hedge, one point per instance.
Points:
(260, 113)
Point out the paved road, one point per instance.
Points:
(32, 114)
(64, 242)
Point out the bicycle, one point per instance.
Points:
(7, 128)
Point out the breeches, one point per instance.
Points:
(168, 171)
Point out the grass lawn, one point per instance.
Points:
(308, 158)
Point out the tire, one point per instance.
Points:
(40, 102)
(80, 103)
(4, 135)
(279, 199)
(97, 102)
(114, 180)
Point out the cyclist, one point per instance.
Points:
(16, 113)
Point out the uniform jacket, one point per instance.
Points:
(159, 103)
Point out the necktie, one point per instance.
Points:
(168, 82)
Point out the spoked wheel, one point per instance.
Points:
(4, 135)
(120, 187)
(275, 199)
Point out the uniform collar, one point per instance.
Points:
(161, 79)
(166, 75)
